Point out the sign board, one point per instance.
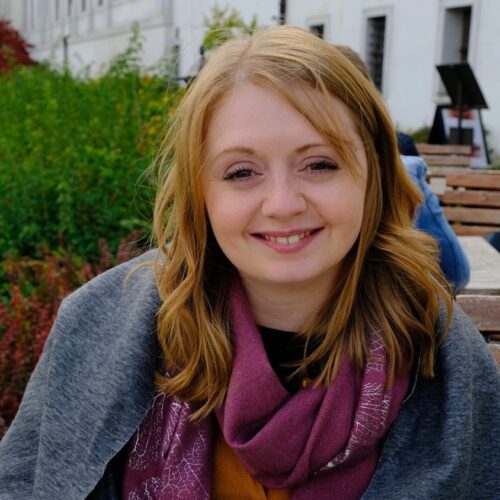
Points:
(445, 131)
(473, 130)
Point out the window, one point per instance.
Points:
(456, 35)
(100, 3)
(84, 5)
(56, 9)
(375, 38)
(282, 16)
(70, 5)
(318, 30)
(319, 26)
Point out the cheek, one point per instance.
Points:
(227, 216)
(346, 206)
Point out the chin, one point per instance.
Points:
(291, 279)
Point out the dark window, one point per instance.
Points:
(56, 9)
(70, 5)
(101, 2)
(282, 18)
(375, 48)
(456, 35)
(84, 5)
(318, 30)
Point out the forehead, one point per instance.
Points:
(259, 113)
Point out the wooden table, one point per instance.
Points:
(481, 297)
(484, 263)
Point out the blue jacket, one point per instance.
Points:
(94, 385)
(430, 218)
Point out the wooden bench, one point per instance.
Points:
(471, 201)
(484, 312)
(484, 261)
(445, 154)
(442, 160)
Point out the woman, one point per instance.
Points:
(306, 347)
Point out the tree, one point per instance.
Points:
(224, 24)
(13, 48)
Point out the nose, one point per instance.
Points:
(283, 198)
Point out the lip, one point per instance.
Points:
(308, 236)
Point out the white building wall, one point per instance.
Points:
(414, 42)
(413, 47)
(99, 32)
(487, 66)
(13, 11)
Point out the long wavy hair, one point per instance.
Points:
(391, 281)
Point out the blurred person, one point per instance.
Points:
(292, 336)
(430, 217)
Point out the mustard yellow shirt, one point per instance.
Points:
(232, 482)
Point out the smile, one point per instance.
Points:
(287, 240)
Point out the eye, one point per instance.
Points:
(239, 173)
(318, 166)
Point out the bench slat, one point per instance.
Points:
(487, 180)
(495, 350)
(475, 198)
(483, 310)
(443, 170)
(472, 230)
(444, 149)
(452, 160)
(472, 215)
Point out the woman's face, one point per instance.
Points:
(282, 208)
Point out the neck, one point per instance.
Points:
(285, 307)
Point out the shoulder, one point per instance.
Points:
(117, 308)
(415, 166)
(464, 347)
(443, 443)
(406, 145)
(130, 282)
(91, 388)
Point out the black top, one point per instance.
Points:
(283, 348)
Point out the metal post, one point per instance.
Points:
(65, 51)
(460, 111)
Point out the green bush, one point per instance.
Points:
(421, 134)
(74, 200)
(72, 152)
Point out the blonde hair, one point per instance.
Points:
(391, 281)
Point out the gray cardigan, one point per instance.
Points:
(94, 385)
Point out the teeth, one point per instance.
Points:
(287, 240)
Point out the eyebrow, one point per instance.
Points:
(250, 151)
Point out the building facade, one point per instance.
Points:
(402, 41)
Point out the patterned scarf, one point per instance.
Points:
(320, 443)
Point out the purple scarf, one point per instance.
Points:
(319, 442)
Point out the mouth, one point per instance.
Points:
(291, 238)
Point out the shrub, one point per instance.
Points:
(37, 287)
(224, 24)
(72, 152)
(13, 48)
(421, 134)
